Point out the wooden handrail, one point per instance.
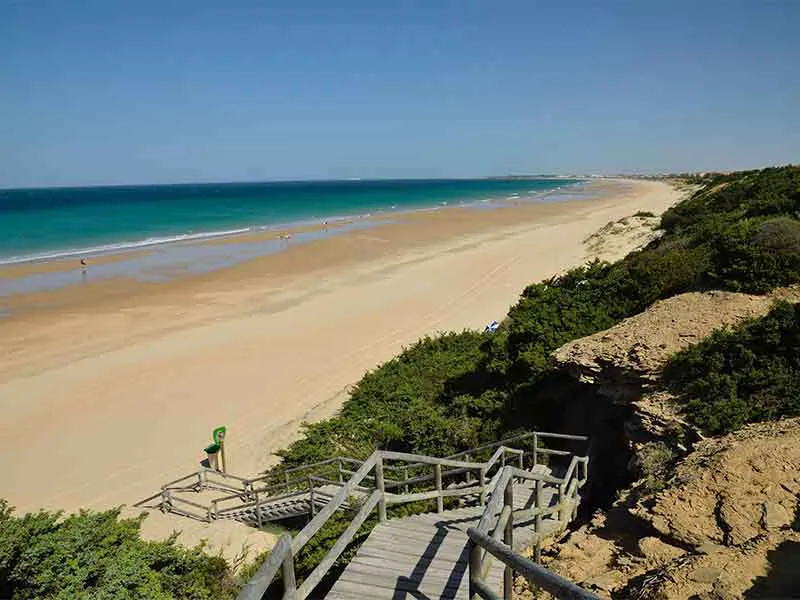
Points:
(323, 515)
(345, 538)
(185, 477)
(493, 507)
(481, 536)
(560, 588)
(515, 438)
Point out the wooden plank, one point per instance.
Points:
(458, 525)
(402, 562)
(386, 589)
(427, 539)
(414, 572)
(455, 526)
(390, 549)
(444, 577)
(421, 547)
(419, 551)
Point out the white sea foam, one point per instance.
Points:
(120, 246)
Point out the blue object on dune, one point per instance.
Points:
(492, 327)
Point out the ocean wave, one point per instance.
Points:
(120, 246)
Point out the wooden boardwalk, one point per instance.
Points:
(425, 557)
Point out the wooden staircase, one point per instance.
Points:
(297, 505)
(507, 502)
(427, 556)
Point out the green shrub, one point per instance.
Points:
(741, 376)
(99, 555)
(755, 255)
(652, 462)
(414, 402)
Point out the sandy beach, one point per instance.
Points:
(108, 390)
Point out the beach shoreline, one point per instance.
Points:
(170, 257)
(110, 389)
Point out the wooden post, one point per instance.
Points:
(508, 540)
(312, 507)
(474, 567)
(339, 470)
(537, 553)
(562, 511)
(381, 489)
(482, 483)
(286, 480)
(405, 478)
(289, 581)
(467, 458)
(535, 449)
(521, 460)
(439, 498)
(259, 518)
(222, 455)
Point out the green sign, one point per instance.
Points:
(218, 435)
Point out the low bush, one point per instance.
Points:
(99, 555)
(652, 461)
(748, 374)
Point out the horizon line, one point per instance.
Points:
(308, 180)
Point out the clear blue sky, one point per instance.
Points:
(113, 91)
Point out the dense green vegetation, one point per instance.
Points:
(739, 232)
(744, 375)
(99, 555)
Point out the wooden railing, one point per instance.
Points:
(477, 483)
(557, 586)
(493, 536)
(304, 482)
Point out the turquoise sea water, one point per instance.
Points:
(54, 223)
